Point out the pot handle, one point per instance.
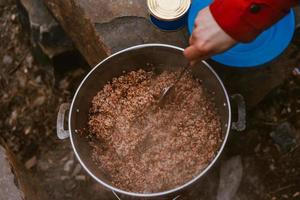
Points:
(60, 130)
(240, 125)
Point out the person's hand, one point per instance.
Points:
(207, 39)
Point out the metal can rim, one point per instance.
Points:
(163, 15)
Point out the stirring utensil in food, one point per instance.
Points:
(169, 89)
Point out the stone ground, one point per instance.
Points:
(262, 162)
(8, 189)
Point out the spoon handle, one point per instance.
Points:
(182, 73)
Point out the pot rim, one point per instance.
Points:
(178, 188)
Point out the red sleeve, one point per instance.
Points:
(243, 20)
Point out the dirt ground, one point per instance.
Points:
(30, 95)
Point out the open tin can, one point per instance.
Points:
(168, 15)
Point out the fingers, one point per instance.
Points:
(191, 40)
(207, 39)
(193, 53)
(197, 50)
(197, 35)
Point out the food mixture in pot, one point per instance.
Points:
(144, 148)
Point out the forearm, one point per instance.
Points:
(243, 20)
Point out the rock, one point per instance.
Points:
(272, 167)
(80, 178)
(39, 101)
(46, 34)
(285, 196)
(7, 60)
(253, 185)
(296, 194)
(80, 29)
(284, 136)
(27, 130)
(113, 9)
(296, 71)
(76, 170)
(38, 79)
(124, 32)
(230, 178)
(117, 16)
(8, 189)
(13, 117)
(31, 162)
(68, 165)
(29, 61)
(13, 17)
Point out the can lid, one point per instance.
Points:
(168, 9)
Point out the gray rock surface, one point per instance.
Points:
(80, 29)
(284, 136)
(8, 189)
(105, 11)
(230, 178)
(46, 34)
(128, 31)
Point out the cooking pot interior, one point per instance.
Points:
(145, 57)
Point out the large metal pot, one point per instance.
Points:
(162, 57)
